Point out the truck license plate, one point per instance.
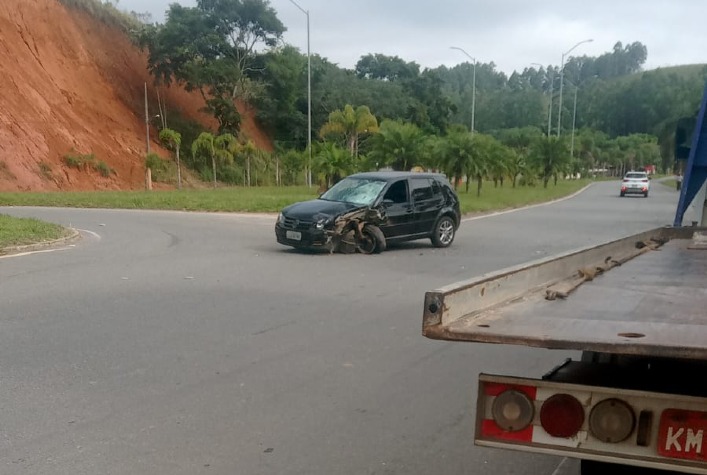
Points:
(682, 434)
(293, 235)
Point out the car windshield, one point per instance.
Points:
(360, 191)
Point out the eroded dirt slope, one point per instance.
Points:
(71, 84)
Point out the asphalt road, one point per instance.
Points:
(191, 343)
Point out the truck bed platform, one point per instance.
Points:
(648, 297)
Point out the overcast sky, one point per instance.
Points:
(511, 33)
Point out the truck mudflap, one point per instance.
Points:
(624, 426)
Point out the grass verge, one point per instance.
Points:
(273, 199)
(22, 231)
(14, 231)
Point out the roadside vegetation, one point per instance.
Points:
(271, 199)
(22, 231)
(385, 113)
(389, 112)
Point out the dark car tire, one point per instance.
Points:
(443, 232)
(373, 240)
(622, 194)
(645, 195)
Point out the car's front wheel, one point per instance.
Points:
(372, 240)
(444, 231)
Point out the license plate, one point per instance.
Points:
(682, 434)
(293, 235)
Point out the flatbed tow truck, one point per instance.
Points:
(636, 400)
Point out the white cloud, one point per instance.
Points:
(511, 33)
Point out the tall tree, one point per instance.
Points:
(210, 47)
(203, 146)
(350, 124)
(173, 140)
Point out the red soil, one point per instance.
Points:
(71, 84)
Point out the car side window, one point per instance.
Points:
(436, 190)
(398, 192)
(421, 189)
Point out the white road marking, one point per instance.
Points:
(559, 467)
(53, 249)
(92, 233)
(20, 254)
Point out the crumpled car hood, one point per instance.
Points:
(315, 209)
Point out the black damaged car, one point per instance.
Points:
(370, 210)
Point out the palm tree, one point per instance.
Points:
(204, 145)
(457, 155)
(350, 124)
(250, 153)
(549, 155)
(173, 140)
(397, 144)
(331, 163)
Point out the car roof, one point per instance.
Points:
(394, 175)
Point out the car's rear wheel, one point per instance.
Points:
(645, 195)
(622, 194)
(372, 240)
(444, 232)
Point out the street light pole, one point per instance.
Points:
(562, 75)
(473, 87)
(574, 120)
(574, 112)
(147, 124)
(309, 99)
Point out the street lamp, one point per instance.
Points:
(473, 87)
(574, 112)
(562, 75)
(309, 99)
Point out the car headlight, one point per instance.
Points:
(321, 223)
(280, 218)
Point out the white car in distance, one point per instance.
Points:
(635, 183)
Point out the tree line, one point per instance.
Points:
(615, 116)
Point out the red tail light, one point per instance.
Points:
(562, 415)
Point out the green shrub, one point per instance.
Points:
(163, 171)
(46, 170)
(103, 168)
(79, 161)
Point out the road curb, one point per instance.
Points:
(74, 235)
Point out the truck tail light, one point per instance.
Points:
(612, 420)
(562, 415)
(513, 410)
